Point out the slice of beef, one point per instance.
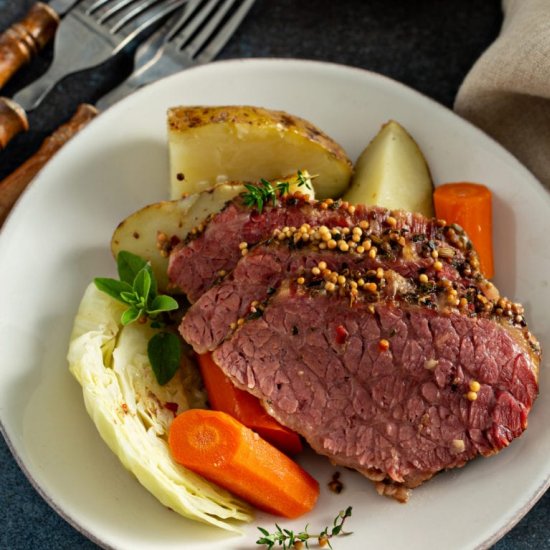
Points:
(209, 254)
(394, 389)
(260, 272)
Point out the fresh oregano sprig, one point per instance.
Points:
(137, 288)
(288, 539)
(257, 196)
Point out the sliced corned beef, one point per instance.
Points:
(394, 389)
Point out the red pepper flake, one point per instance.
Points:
(383, 345)
(341, 334)
(172, 407)
(125, 407)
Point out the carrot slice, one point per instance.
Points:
(224, 396)
(221, 449)
(470, 206)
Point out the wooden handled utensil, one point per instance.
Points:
(25, 38)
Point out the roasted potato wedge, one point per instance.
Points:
(392, 172)
(139, 233)
(208, 145)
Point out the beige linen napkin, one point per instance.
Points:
(507, 92)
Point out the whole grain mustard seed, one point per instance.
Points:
(458, 445)
(475, 386)
(471, 396)
(438, 266)
(300, 280)
(343, 246)
(423, 278)
(315, 271)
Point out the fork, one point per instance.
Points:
(93, 32)
(195, 38)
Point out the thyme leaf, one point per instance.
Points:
(258, 196)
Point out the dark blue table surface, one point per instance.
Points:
(427, 44)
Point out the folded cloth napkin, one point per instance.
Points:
(507, 91)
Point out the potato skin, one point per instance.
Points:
(181, 119)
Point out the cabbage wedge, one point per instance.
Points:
(133, 413)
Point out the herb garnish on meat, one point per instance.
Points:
(257, 196)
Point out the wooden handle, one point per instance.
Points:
(12, 186)
(13, 120)
(25, 39)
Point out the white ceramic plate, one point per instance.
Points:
(57, 239)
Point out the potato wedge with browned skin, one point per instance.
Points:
(242, 143)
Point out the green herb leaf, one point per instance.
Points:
(129, 265)
(112, 287)
(283, 187)
(162, 303)
(129, 297)
(142, 285)
(141, 295)
(303, 180)
(130, 315)
(164, 352)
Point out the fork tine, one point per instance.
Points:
(191, 20)
(109, 11)
(148, 14)
(215, 42)
(136, 9)
(102, 5)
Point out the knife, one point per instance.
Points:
(24, 39)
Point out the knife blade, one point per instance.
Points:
(25, 38)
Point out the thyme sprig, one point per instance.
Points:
(257, 196)
(289, 539)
